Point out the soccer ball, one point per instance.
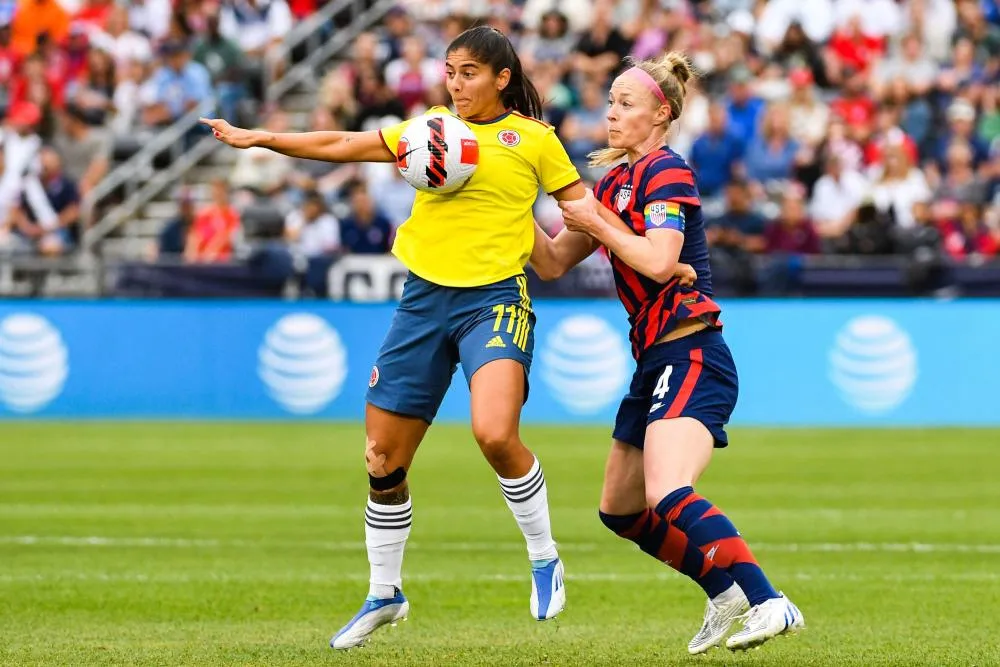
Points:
(437, 153)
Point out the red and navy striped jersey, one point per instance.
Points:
(659, 191)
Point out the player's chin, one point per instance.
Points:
(616, 139)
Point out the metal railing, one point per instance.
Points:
(137, 174)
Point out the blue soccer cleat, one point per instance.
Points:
(548, 591)
(375, 613)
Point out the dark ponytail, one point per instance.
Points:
(491, 47)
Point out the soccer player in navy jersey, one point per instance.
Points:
(685, 385)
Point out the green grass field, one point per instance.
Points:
(195, 544)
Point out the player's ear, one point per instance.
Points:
(662, 116)
(503, 79)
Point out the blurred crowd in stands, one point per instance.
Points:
(816, 126)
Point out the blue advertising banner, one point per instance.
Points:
(811, 362)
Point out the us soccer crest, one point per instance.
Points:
(624, 197)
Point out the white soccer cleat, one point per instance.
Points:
(548, 591)
(375, 613)
(719, 619)
(769, 619)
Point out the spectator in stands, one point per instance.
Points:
(180, 85)
(223, 59)
(808, 116)
(797, 52)
(742, 107)
(836, 198)
(413, 74)
(365, 230)
(48, 217)
(963, 73)
(855, 107)
(21, 143)
(740, 227)
(909, 63)
(398, 24)
(898, 186)
(132, 92)
(84, 147)
(311, 231)
(601, 49)
(375, 101)
(35, 18)
(173, 237)
(770, 157)
(117, 39)
(792, 232)
(967, 234)
(150, 17)
(718, 153)
(9, 61)
(258, 26)
(10, 195)
(960, 182)
(94, 88)
(215, 230)
(585, 127)
(852, 49)
(553, 43)
(962, 127)
(93, 14)
(395, 199)
(973, 26)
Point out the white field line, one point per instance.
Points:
(511, 545)
(357, 510)
(520, 579)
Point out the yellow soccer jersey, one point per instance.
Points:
(484, 232)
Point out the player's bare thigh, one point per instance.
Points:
(624, 490)
(677, 452)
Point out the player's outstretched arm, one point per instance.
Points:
(654, 255)
(327, 146)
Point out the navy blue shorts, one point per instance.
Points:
(694, 376)
(435, 328)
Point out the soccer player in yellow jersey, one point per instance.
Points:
(466, 300)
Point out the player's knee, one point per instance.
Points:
(498, 443)
(383, 474)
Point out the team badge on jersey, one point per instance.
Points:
(624, 197)
(509, 138)
(373, 379)
(664, 215)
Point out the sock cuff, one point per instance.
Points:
(523, 488)
(389, 517)
(672, 500)
(534, 470)
(622, 524)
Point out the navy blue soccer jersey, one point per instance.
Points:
(659, 192)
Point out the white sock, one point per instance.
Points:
(731, 594)
(386, 530)
(528, 498)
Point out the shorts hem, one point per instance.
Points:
(401, 409)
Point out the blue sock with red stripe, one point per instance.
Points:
(714, 534)
(669, 545)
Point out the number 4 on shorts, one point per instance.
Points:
(663, 384)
